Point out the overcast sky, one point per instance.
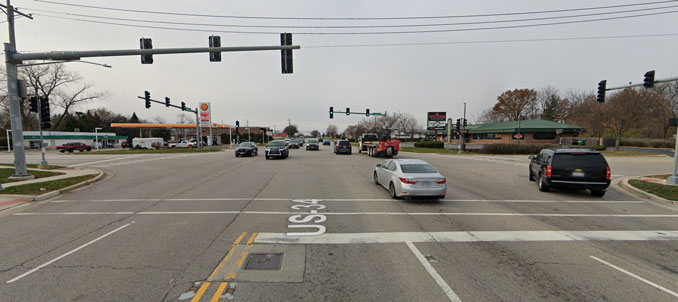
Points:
(414, 79)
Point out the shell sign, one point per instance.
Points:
(205, 115)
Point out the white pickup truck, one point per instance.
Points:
(184, 144)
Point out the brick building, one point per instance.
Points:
(531, 132)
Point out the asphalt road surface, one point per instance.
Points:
(314, 227)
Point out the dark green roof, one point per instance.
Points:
(524, 126)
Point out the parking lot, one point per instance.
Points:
(185, 227)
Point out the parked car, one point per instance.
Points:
(246, 149)
(579, 169)
(312, 145)
(326, 143)
(124, 144)
(70, 147)
(410, 178)
(276, 149)
(343, 146)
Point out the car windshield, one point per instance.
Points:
(276, 144)
(246, 145)
(312, 141)
(417, 168)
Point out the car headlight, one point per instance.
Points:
(268, 150)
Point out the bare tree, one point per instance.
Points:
(332, 131)
(624, 111)
(64, 89)
(488, 116)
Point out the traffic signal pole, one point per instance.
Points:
(13, 58)
(20, 171)
(43, 163)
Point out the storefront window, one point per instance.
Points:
(486, 136)
(544, 136)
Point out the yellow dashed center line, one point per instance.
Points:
(219, 292)
(201, 291)
(240, 238)
(229, 254)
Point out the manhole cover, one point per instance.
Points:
(264, 261)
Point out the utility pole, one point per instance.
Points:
(461, 131)
(289, 128)
(20, 171)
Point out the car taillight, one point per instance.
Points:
(407, 181)
(442, 181)
(548, 171)
(608, 174)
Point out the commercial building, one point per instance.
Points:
(528, 132)
(52, 139)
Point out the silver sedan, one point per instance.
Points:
(409, 178)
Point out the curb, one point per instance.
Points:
(624, 183)
(69, 188)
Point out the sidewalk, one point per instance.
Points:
(10, 201)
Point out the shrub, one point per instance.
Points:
(665, 144)
(429, 144)
(515, 148)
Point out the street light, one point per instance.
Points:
(96, 136)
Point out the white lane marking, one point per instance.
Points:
(144, 160)
(358, 213)
(655, 285)
(68, 253)
(76, 213)
(355, 199)
(468, 236)
(429, 268)
(102, 161)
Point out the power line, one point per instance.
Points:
(491, 41)
(373, 32)
(349, 18)
(349, 26)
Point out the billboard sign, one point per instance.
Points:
(205, 114)
(436, 121)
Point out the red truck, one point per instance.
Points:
(374, 146)
(70, 147)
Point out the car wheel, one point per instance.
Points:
(598, 193)
(70, 150)
(389, 152)
(267, 157)
(542, 185)
(531, 174)
(236, 155)
(376, 179)
(62, 151)
(391, 189)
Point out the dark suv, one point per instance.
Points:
(578, 169)
(343, 146)
(276, 149)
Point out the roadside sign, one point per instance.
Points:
(518, 136)
(436, 121)
(205, 114)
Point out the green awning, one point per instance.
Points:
(74, 137)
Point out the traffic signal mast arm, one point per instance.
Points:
(76, 55)
(170, 105)
(642, 84)
(358, 113)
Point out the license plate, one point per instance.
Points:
(425, 183)
(577, 174)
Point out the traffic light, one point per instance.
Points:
(458, 125)
(348, 111)
(286, 54)
(183, 106)
(146, 43)
(215, 41)
(367, 112)
(331, 112)
(167, 102)
(147, 98)
(33, 102)
(602, 85)
(465, 123)
(45, 117)
(648, 82)
(237, 126)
